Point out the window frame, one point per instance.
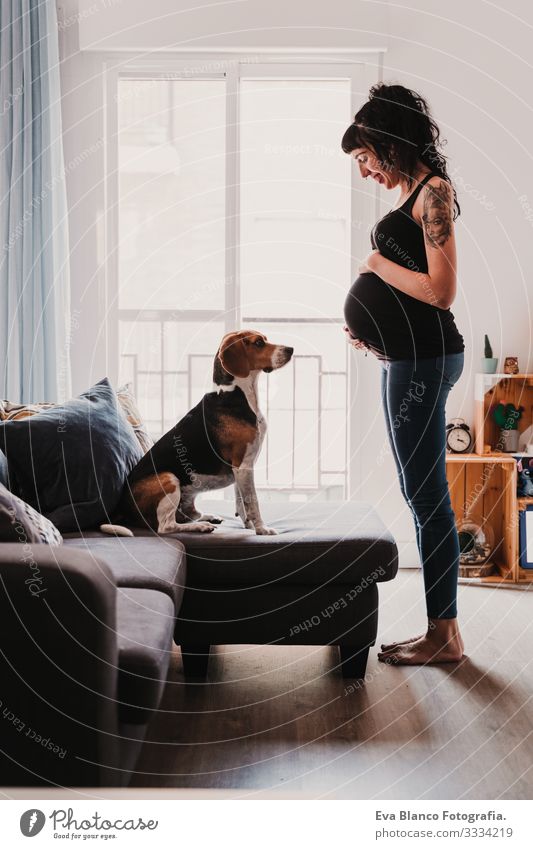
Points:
(358, 66)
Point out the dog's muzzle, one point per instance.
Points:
(282, 357)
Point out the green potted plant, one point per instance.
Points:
(489, 364)
(507, 417)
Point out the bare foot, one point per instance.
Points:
(389, 646)
(420, 653)
(441, 644)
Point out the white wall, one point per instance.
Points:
(471, 61)
(173, 24)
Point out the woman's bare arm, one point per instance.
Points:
(433, 210)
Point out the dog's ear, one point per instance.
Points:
(232, 355)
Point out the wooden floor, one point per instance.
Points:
(282, 719)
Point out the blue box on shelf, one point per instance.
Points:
(526, 537)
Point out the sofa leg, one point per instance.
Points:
(353, 661)
(195, 660)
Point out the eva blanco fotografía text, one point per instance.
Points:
(465, 816)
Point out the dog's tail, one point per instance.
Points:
(116, 530)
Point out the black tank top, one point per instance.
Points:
(395, 325)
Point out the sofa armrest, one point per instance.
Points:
(58, 668)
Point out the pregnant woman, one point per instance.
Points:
(399, 309)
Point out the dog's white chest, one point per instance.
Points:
(261, 426)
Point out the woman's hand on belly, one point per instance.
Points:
(360, 344)
(368, 266)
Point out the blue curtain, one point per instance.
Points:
(34, 269)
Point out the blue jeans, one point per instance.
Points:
(414, 394)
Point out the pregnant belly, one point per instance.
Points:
(396, 325)
(367, 309)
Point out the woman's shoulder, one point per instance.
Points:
(437, 180)
(436, 192)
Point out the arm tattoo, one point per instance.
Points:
(437, 218)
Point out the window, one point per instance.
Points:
(294, 264)
(234, 209)
(171, 163)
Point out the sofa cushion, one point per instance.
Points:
(70, 461)
(152, 563)
(317, 542)
(21, 523)
(145, 625)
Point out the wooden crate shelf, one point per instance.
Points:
(490, 389)
(485, 487)
(492, 474)
(525, 576)
(479, 458)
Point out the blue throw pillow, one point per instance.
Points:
(70, 462)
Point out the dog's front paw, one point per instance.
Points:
(263, 530)
(209, 517)
(204, 527)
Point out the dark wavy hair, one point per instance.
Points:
(396, 124)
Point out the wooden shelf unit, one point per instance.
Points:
(515, 389)
(485, 487)
(493, 476)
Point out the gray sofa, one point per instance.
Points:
(84, 652)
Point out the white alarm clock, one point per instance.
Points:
(458, 437)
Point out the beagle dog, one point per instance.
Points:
(211, 447)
